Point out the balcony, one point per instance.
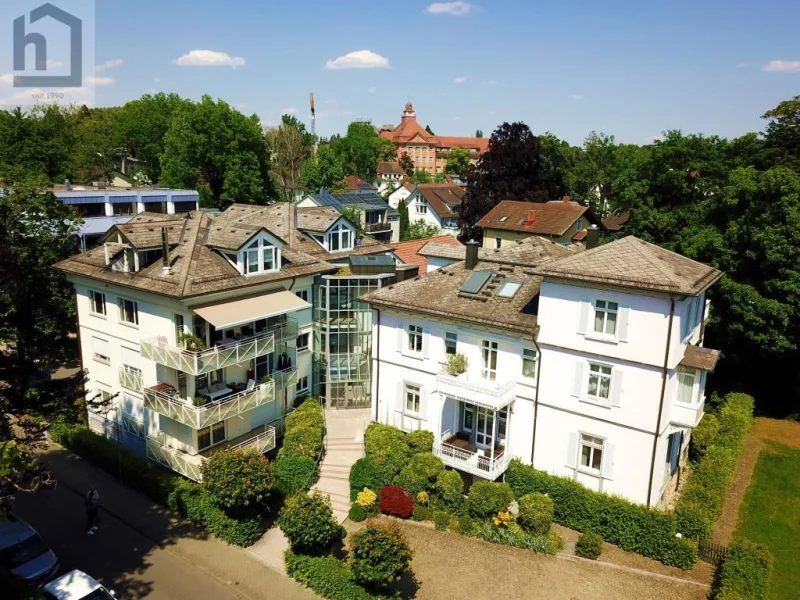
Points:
(131, 380)
(475, 390)
(687, 415)
(459, 454)
(378, 227)
(162, 399)
(225, 353)
(286, 377)
(260, 439)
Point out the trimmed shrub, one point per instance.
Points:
(357, 513)
(449, 490)
(746, 572)
(513, 535)
(293, 474)
(366, 498)
(395, 501)
(421, 513)
(237, 478)
(535, 513)
(420, 474)
(388, 450)
(555, 543)
(363, 475)
(633, 527)
(466, 525)
(441, 519)
(304, 431)
(325, 575)
(379, 554)
(589, 545)
(704, 435)
(486, 499)
(308, 523)
(420, 440)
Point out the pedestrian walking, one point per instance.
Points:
(91, 503)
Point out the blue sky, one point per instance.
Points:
(629, 68)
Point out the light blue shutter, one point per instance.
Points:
(577, 387)
(622, 323)
(400, 405)
(426, 343)
(616, 387)
(608, 461)
(401, 334)
(583, 319)
(423, 404)
(572, 451)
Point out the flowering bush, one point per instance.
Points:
(366, 498)
(502, 519)
(395, 501)
(423, 498)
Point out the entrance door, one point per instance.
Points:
(484, 431)
(264, 365)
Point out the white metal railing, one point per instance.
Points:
(482, 392)
(285, 377)
(131, 380)
(172, 458)
(261, 443)
(224, 354)
(471, 462)
(198, 417)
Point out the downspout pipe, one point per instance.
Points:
(536, 396)
(665, 372)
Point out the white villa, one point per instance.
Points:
(587, 364)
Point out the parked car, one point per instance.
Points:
(76, 585)
(24, 553)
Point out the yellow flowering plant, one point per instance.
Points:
(366, 498)
(423, 498)
(503, 519)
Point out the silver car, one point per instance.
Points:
(24, 553)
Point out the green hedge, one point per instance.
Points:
(363, 475)
(326, 576)
(293, 474)
(304, 431)
(486, 499)
(704, 435)
(704, 493)
(745, 573)
(420, 473)
(630, 526)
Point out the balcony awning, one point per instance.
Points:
(247, 310)
(698, 357)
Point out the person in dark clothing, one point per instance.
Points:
(91, 503)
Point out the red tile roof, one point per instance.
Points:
(442, 196)
(617, 219)
(408, 251)
(356, 183)
(540, 218)
(409, 128)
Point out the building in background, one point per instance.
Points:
(429, 152)
(411, 252)
(436, 204)
(562, 221)
(356, 184)
(390, 171)
(378, 219)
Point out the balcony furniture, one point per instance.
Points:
(251, 383)
(215, 391)
(237, 386)
(164, 388)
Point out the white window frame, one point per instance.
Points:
(693, 316)
(422, 207)
(93, 303)
(101, 358)
(412, 392)
(528, 359)
(471, 409)
(211, 429)
(343, 236)
(300, 346)
(302, 385)
(302, 294)
(121, 304)
(489, 349)
(693, 395)
(601, 374)
(450, 338)
(595, 444)
(414, 337)
(253, 257)
(605, 311)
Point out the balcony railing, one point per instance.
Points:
(198, 417)
(482, 392)
(187, 465)
(471, 462)
(378, 227)
(131, 380)
(225, 354)
(285, 378)
(261, 443)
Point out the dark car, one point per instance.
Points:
(24, 553)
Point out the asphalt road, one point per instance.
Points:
(118, 556)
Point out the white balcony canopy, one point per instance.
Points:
(247, 310)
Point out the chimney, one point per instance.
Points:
(531, 218)
(165, 268)
(67, 185)
(472, 255)
(592, 237)
(566, 199)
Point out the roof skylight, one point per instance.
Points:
(509, 289)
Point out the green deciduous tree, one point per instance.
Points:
(479, 133)
(237, 479)
(420, 176)
(458, 161)
(213, 144)
(419, 229)
(325, 170)
(308, 523)
(402, 208)
(783, 133)
(288, 154)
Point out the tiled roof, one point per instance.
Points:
(697, 357)
(439, 293)
(356, 183)
(144, 230)
(448, 141)
(409, 128)
(389, 167)
(317, 218)
(443, 198)
(631, 262)
(408, 251)
(532, 250)
(617, 219)
(541, 218)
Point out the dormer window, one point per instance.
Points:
(260, 256)
(340, 238)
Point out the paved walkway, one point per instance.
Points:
(229, 565)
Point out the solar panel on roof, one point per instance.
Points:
(475, 282)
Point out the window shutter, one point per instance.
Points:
(423, 401)
(426, 344)
(583, 320)
(608, 461)
(401, 337)
(400, 404)
(100, 346)
(572, 451)
(130, 357)
(622, 323)
(616, 387)
(577, 387)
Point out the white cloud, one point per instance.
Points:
(490, 82)
(460, 80)
(209, 58)
(268, 124)
(100, 80)
(653, 138)
(62, 96)
(112, 63)
(782, 66)
(360, 59)
(576, 96)
(372, 90)
(289, 111)
(454, 9)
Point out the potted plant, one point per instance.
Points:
(190, 341)
(456, 364)
(198, 401)
(265, 379)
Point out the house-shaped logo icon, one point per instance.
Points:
(22, 40)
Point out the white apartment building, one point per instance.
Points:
(586, 364)
(198, 330)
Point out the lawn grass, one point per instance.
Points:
(770, 515)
